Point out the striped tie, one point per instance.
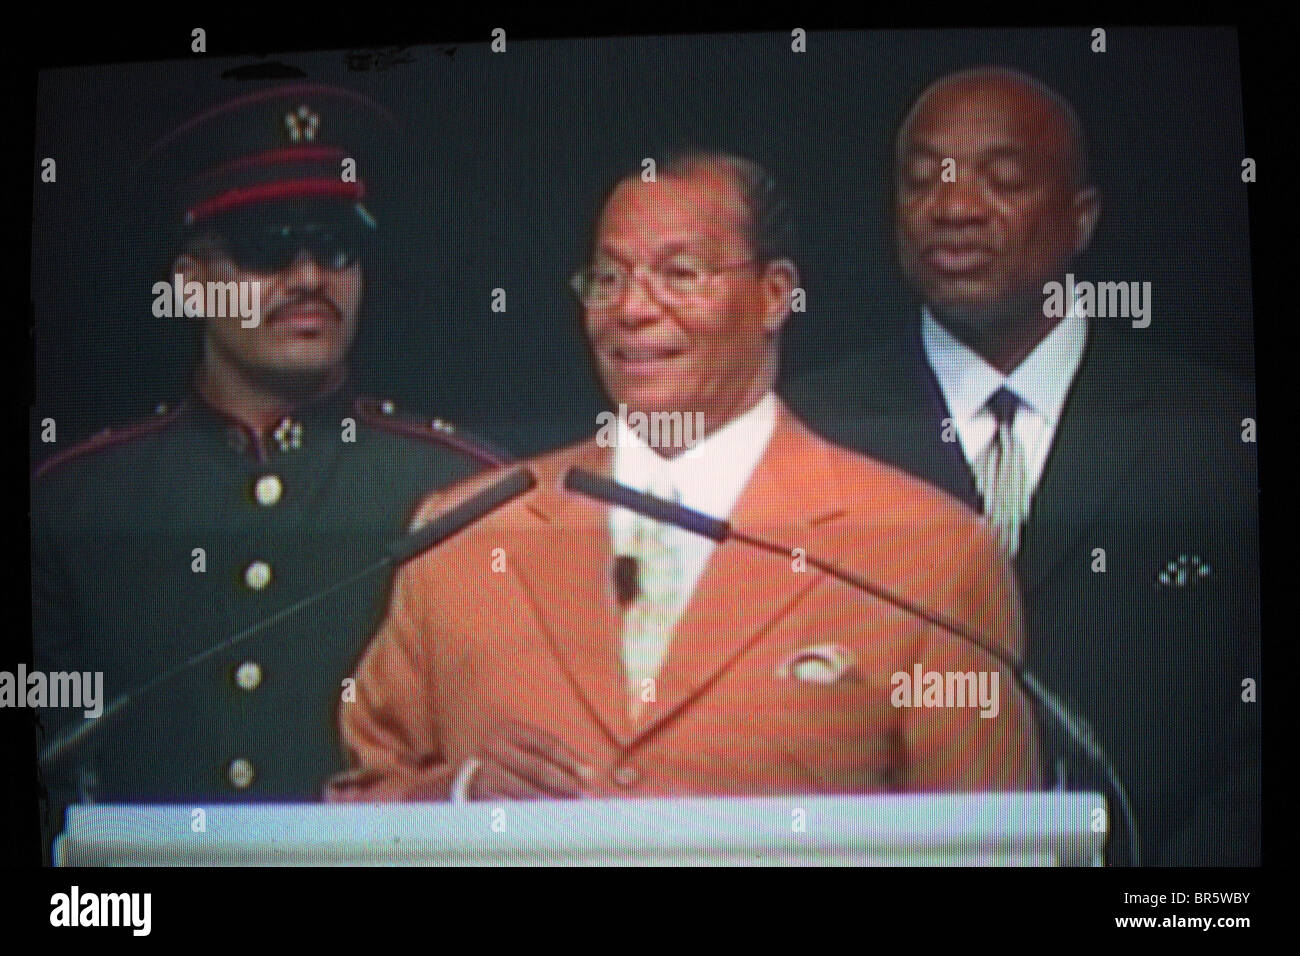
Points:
(648, 624)
(1000, 474)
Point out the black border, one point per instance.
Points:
(921, 905)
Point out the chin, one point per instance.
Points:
(309, 360)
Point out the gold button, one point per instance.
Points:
(257, 575)
(248, 675)
(240, 773)
(625, 776)
(268, 490)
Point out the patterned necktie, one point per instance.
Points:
(648, 623)
(1000, 474)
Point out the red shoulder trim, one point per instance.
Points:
(383, 415)
(109, 437)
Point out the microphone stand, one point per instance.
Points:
(399, 551)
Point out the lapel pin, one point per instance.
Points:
(1183, 571)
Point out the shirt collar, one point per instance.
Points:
(710, 475)
(1041, 381)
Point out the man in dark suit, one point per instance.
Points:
(1119, 477)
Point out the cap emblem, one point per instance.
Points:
(301, 124)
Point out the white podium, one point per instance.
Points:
(985, 829)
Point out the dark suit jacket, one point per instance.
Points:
(1147, 463)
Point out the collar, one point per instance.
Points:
(708, 476)
(302, 428)
(1042, 379)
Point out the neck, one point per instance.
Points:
(1003, 340)
(260, 402)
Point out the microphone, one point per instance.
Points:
(462, 516)
(397, 552)
(626, 585)
(1076, 730)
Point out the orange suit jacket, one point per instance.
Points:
(515, 618)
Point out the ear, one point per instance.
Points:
(1086, 207)
(780, 279)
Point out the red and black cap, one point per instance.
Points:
(280, 147)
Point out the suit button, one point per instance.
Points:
(248, 675)
(257, 575)
(240, 773)
(626, 776)
(268, 490)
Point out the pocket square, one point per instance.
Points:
(1182, 572)
(821, 664)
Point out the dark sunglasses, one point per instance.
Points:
(274, 248)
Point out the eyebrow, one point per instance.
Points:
(695, 247)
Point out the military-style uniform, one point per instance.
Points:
(154, 542)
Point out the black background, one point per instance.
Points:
(505, 159)
(94, 377)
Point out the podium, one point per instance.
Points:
(980, 829)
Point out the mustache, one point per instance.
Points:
(318, 301)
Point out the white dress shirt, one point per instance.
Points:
(1041, 382)
(708, 477)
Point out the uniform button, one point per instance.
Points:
(268, 490)
(626, 776)
(240, 773)
(248, 675)
(257, 575)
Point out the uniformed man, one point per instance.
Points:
(269, 481)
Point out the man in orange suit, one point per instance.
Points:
(560, 648)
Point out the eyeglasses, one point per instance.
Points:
(675, 281)
(276, 248)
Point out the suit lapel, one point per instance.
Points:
(1099, 440)
(945, 460)
(742, 591)
(895, 413)
(565, 564)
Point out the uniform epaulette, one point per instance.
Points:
(163, 415)
(383, 414)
